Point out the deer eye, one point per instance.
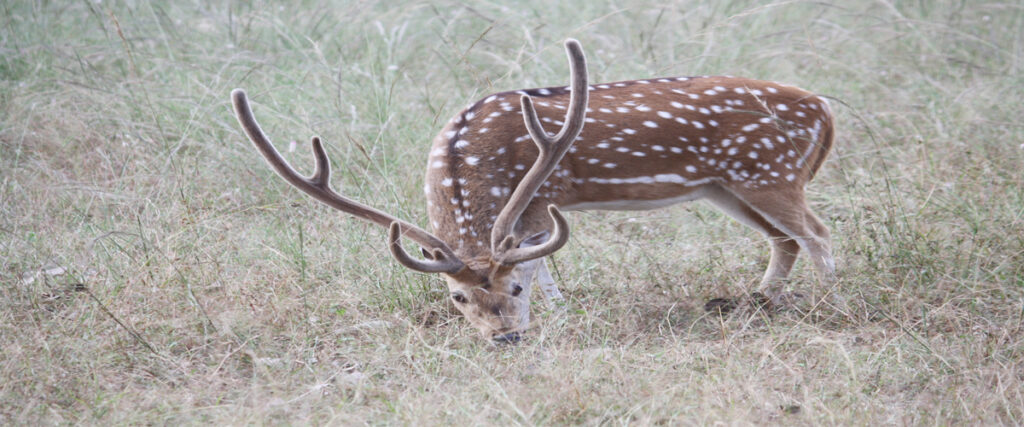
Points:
(459, 297)
(516, 290)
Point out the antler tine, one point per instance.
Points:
(552, 149)
(559, 237)
(318, 186)
(577, 104)
(440, 263)
(322, 174)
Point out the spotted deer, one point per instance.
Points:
(495, 199)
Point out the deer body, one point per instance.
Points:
(646, 144)
(494, 186)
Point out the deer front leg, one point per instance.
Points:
(546, 283)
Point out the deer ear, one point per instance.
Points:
(535, 239)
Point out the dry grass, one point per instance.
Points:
(154, 271)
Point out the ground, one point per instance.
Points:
(154, 270)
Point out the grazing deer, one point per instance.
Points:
(494, 199)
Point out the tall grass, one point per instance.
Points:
(153, 270)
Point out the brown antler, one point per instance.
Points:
(552, 149)
(318, 186)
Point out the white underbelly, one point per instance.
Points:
(636, 205)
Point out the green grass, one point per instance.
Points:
(197, 287)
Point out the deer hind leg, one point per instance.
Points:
(828, 270)
(788, 212)
(784, 248)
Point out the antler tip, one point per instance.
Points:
(556, 215)
(238, 94)
(573, 47)
(241, 103)
(526, 101)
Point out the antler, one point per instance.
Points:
(552, 149)
(443, 259)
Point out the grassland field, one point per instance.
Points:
(153, 270)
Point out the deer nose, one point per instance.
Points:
(509, 338)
